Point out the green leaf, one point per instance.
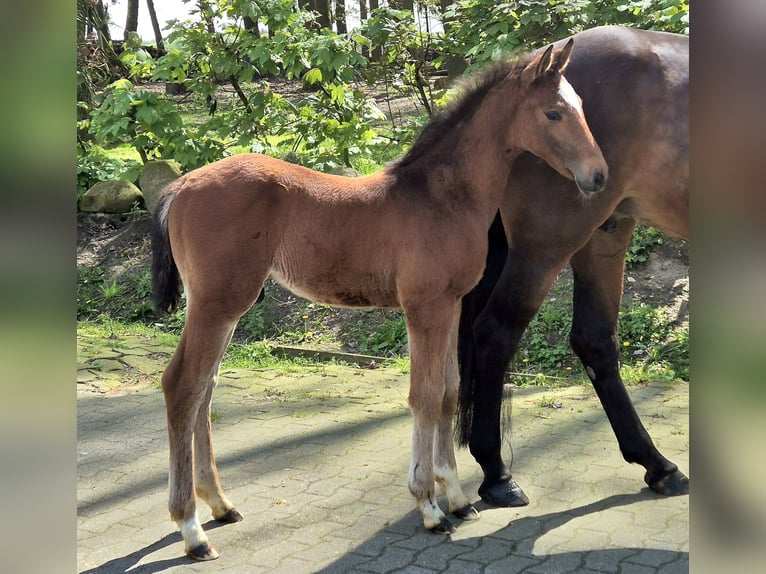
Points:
(313, 76)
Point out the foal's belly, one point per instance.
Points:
(339, 290)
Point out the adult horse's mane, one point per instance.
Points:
(471, 91)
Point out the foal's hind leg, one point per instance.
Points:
(206, 483)
(445, 466)
(598, 274)
(187, 384)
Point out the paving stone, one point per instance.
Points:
(323, 483)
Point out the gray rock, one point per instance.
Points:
(154, 177)
(111, 197)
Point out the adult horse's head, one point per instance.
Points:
(551, 124)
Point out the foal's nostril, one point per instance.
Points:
(598, 179)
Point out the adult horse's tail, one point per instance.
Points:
(166, 281)
(473, 303)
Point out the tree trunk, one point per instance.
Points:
(377, 53)
(454, 64)
(100, 23)
(340, 16)
(321, 7)
(251, 26)
(155, 27)
(207, 15)
(131, 21)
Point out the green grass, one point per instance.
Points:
(106, 328)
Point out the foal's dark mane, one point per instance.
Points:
(472, 91)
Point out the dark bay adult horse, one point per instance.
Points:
(634, 85)
(413, 235)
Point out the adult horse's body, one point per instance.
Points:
(634, 86)
(413, 235)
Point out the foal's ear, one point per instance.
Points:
(561, 58)
(538, 66)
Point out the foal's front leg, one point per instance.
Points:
(445, 466)
(429, 331)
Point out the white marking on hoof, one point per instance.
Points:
(450, 484)
(193, 535)
(433, 517)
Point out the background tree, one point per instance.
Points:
(155, 26)
(226, 68)
(321, 8)
(131, 19)
(340, 17)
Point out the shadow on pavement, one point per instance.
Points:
(518, 539)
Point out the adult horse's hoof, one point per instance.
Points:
(468, 512)
(503, 493)
(204, 551)
(231, 517)
(673, 484)
(444, 527)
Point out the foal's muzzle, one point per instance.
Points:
(595, 183)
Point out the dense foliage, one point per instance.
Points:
(233, 75)
(265, 76)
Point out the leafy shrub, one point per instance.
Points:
(96, 165)
(641, 245)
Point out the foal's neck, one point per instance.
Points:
(480, 158)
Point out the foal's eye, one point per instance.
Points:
(553, 115)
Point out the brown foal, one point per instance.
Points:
(413, 235)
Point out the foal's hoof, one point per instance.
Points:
(468, 512)
(673, 484)
(204, 551)
(231, 517)
(444, 527)
(503, 493)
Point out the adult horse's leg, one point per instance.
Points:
(187, 384)
(445, 466)
(428, 327)
(519, 292)
(472, 304)
(598, 274)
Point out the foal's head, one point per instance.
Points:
(550, 121)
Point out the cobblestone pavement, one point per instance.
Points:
(316, 458)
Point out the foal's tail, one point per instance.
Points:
(472, 305)
(166, 281)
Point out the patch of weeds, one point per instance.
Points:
(656, 349)
(401, 364)
(249, 356)
(216, 416)
(378, 332)
(89, 282)
(106, 327)
(538, 379)
(549, 402)
(674, 354)
(110, 290)
(253, 323)
(544, 348)
(125, 296)
(643, 241)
